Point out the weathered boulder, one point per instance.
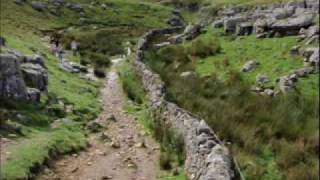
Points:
(312, 58)
(34, 95)
(192, 31)
(58, 3)
(231, 23)
(268, 92)
(295, 50)
(187, 74)
(34, 59)
(245, 28)
(293, 25)
(75, 7)
(12, 84)
(282, 13)
(72, 67)
(286, 84)
(218, 23)
(262, 79)
(250, 65)
(310, 34)
(35, 76)
(175, 21)
(39, 6)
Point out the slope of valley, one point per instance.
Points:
(159, 89)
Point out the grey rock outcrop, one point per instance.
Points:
(245, 28)
(175, 21)
(293, 24)
(75, 7)
(12, 84)
(268, 20)
(35, 76)
(262, 79)
(39, 6)
(22, 77)
(249, 66)
(230, 24)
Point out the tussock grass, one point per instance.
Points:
(172, 144)
(270, 137)
(131, 84)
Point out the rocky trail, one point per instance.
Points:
(121, 151)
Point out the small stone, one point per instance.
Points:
(111, 118)
(75, 155)
(89, 163)
(12, 135)
(106, 177)
(5, 140)
(75, 169)
(115, 144)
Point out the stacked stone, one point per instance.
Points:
(207, 157)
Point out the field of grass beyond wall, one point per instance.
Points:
(271, 138)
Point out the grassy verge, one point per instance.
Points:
(30, 154)
(172, 148)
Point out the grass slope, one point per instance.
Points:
(272, 53)
(271, 138)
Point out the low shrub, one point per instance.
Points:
(165, 161)
(204, 47)
(100, 60)
(285, 124)
(131, 84)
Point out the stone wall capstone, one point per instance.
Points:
(206, 156)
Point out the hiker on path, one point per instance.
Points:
(74, 47)
(60, 53)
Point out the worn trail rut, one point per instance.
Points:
(123, 157)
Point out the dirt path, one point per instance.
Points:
(121, 156)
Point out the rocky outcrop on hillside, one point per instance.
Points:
(206, 156)
(22, 77)
(276, 20)
(268, 20)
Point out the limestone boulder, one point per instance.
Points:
(231, 23)
(249, 66)
(12, 84)
(293, 25)
(35, 76)
(39, 6)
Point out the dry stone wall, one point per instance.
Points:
(206, 156)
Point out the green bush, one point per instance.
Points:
(100, 60)
(131, 84)
(173, 54)
(204, 47)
